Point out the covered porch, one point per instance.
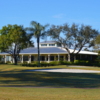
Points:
(30, 58)
(43, 57)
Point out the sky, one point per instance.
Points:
(56, 12)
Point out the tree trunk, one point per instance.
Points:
(15, 60)
(38, 51)
(69, 57)
(74, 57)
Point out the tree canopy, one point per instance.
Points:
(13, 39)
(38, 31)
(74, 37)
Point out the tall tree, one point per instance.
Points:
(13, 39)
(61, 34)
(97, 44)
(83, 37)
(73, 37)
(38, 31)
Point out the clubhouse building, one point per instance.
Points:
(49, 51)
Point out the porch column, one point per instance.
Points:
(58, 57)
(5, 58)
(64, 58)
(48, 58)
(91, 57)
(35, 58)
(54, 57)
(45, 58)
(75, 57)
(86, 56)
(13, 60)
(29, 58)
(80, 57)
(22, 59)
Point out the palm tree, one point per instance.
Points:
(38, 31)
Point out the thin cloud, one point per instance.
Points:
(58, 16)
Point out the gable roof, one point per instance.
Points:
(44, 50)
(49, 50)
(85, 52)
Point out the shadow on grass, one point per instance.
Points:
(49, 79)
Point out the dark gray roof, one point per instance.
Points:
(43, 50)
(2, 53)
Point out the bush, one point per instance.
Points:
(65, 63)
(44, 64)
(53, 63)
(81, 62)
(24, 63)
(8, 62)
(1, 62)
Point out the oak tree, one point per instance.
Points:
(13, 39)
(73, 37)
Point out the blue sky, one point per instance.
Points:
(57, 12)
(22, 12)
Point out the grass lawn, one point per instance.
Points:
(12, 93)
(16, 83)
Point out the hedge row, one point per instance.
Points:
(55, 63)
(42, 64)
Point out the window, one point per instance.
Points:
(42, 58)
(59, 45)
(25, 58)
(43, 44)
(51, 44)
(51, 58)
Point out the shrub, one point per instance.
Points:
(1, 62)
(44, 64)
(65, 63)
(81, 62)
(53, 63)
(24, 63)
(8, 62)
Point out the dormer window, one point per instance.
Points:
(43, 44)
(51, 44)
(59, 44)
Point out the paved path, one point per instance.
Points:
(68, 70)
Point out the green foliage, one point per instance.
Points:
(44, 64)
(38, 31)
(65, 63)
(13, 39)
(73, 36)
(98, 58)
(0, 58)
(53, 63)
(8, 62)
(97, 40)
(2, 62)
(97, 44)
(81, 62)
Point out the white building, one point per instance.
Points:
(49, 51)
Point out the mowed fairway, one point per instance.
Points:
(12, 93)
(17, 83)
